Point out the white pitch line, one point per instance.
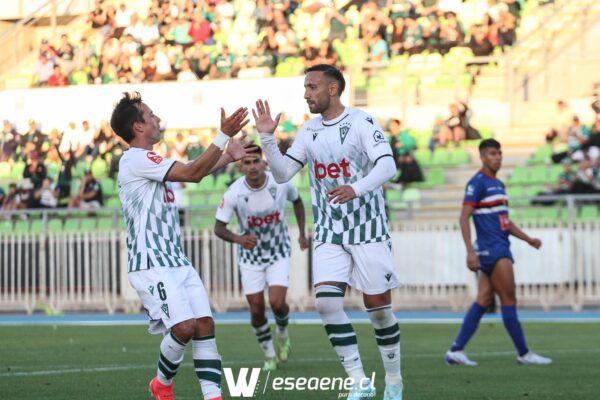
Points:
(297, 361)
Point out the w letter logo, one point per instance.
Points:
(242, 387)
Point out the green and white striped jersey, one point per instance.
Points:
(340, 152)
(260, 212)
(149, 210)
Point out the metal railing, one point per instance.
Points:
(86, 269)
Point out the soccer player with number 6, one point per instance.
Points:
(169, 287)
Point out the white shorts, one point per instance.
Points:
(255, 278)
(170, 296)
(368, 267)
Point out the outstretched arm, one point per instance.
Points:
(282, 167)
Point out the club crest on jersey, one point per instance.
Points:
(273, 191)
(344, 129)
(378, 137)
(155, 158)
(165, 309)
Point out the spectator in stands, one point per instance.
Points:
(412, 42)
(99, 19)
(396, 39)
(286, 42)
(33, 139)
(200, 61)
(180, 32)
(596, 106)
(179, 148)
(66, 54)
(200, 30)
(58, 78)
(507, 25)
(185, 73)
(83, 55)
(410, 170)
(566, 178)
(400, 139)
(89, 195)
(437, 139)
(164, 69)
(12, 200)
(451, 33)
(577, 136)
(592, 145)
(431, 35)
(337, 23)
(308, 53)
(223, 65)
(86, 137)
(327, 55)
(122, 20)
(585, 179)
(9, 141)
(47, 50)
(65, 172)
(454, 127)
(47, 195)
(44, 68)
(561, 120)
(378, 48)
(35, 170)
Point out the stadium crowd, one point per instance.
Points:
(210, 39)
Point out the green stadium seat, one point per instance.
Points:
(17, 170)
(460, 156)
(71, 224)
(109, 187)
(516, 195)
(6, 227)
(519, 176)
(99, 168)
(423, 157)
(530, 214)
(412, 195)
(538, 174)
(5, 170)
(113, 202)
(52, 170)
(222, 182)
(88, 224)
(55, 225)
(80, 169)
(37, 226)
(22, 226)
(441, 156)
(542, 155)
(554, 174)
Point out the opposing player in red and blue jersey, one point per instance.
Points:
(490, 256)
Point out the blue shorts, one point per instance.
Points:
(488, 260)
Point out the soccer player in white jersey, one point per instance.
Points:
(168, 285)
(264, 248)
(349, 159)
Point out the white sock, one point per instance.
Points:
(207, 363)
(263, 335)
(171, 355)
(282, 326)
(387, 334)
(330, 305)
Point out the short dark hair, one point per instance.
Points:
(330, 71)
(125, 113)
(256, 151)
(487, 143)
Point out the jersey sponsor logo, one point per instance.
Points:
(378, 137)
(344, 129)
(169, 196)
(257, 222)
(155, 158)
(332, 170)
(504, 222)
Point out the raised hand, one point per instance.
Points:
(235, 122)
(262, 117)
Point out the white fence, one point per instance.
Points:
(87, 270)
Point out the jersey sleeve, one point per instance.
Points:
(291, 192)
(373, 139)
(473, 193)
(151, 166)
(227, 207)
(297, 150)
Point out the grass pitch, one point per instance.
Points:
(116, 362)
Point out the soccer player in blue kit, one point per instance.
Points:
(490, 256)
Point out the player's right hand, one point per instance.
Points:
(262, 117)
(248, 241)
(472, 261)
(235, 122)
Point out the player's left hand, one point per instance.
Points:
(341, 194)
(536, 243)
(303, 241)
